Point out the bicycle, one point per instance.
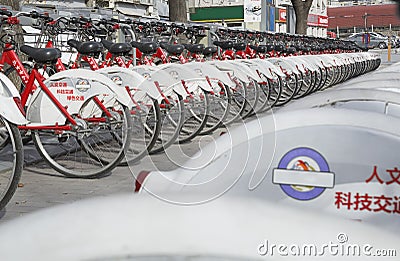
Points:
(73, 125)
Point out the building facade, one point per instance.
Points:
(317, 18)
(354, 19)
(338, 3)
(250, 14)
(134, 8)
(263, 15)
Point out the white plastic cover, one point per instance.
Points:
(67, 88)
(8, 108)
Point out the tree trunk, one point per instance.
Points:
(13, 3)
(177, 11)
(301, 8)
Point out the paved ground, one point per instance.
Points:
(42, 187)
(394, 57)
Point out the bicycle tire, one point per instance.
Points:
(238, 103)
(10, 173)
(77, 153)
(252, 98)
(276, 87)
(146, 127)
(219, 108)
(196, 115)
(172, 117)
(289, 90)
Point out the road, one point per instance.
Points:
(42, 187)
(395, 56)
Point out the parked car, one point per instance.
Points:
(396, 40)
(375, 40)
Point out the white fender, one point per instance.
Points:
(250, 73)
(296, 64)
(225, 66)
(305, 64)
(338, 59)
(263, 66)
(125, 77)
(284, 65)
(153, 74)
(65, 87)
(334, 59)
(314, 59)
(8, 108)
(191, 78)
(302, 64)
(274, 68)
(206, 69)
(327, 61)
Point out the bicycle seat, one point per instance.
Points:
(146, 48)
(279, 48)
(259, 49)
(270, 47)
(120, 49)
(315, 48)
(86, 48)
(239, 46)
(42, 55)
(208, 51)
(225, 45)
(291, 50)
(194, 48)
(175, 49)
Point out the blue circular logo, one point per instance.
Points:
(304, 159)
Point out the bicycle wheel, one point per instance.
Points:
(172, 117)
(262, 99)
(11, 160)
(276, 87)
(146, 127)
(317, 79)
(306, 84)
(252, 98)
(196, 115)
(330, 78)
(324, 78)
(92, 148)
(219, 106)
(238, 102)
(265, 95)
(290, 89)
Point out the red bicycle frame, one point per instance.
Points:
(10, 57)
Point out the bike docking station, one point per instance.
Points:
(295, 122)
